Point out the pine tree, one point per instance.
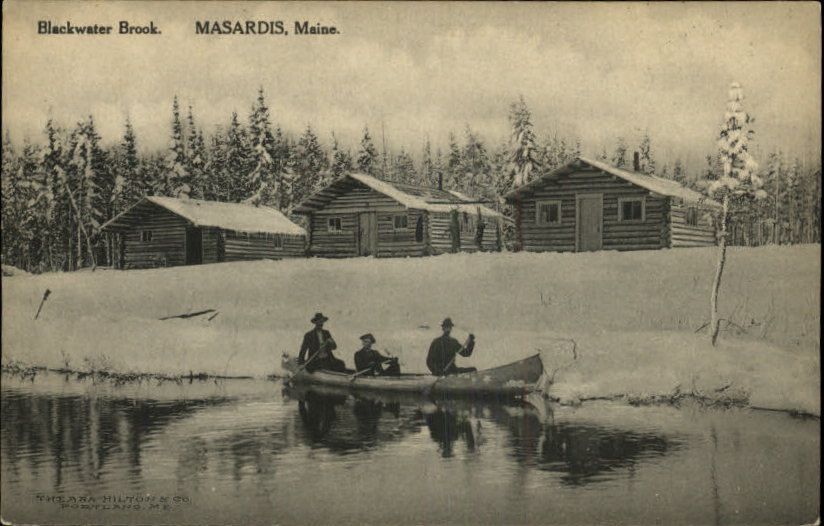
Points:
(367, 155)
(738, 184)
(134, 186)
(619, 156)
(177, 179)
(678, 174)
(645, 150)
(454, 165)
(523, 159)
(427, 175)
(476, 166)
(266, 177)
(403, 168)
(341, 160)
(236, 163)
(195, 157)
(310, 161)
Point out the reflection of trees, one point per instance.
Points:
(81, 434)
(581, 453)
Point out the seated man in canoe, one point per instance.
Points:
(370, 362)
(319, 344)
(445, 349)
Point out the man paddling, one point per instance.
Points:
(374, 363)
(319, 344)
(445, 349)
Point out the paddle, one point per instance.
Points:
(355, 375)
(471, 338)
(302, 367)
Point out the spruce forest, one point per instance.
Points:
(58, 191)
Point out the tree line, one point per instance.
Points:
(57, 194)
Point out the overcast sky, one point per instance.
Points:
(593, 71)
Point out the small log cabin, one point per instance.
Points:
(589, 205)
(359, 215)
(166, 231)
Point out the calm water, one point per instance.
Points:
(246, 452)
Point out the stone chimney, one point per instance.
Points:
(636, 161)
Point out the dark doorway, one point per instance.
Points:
(194, 246)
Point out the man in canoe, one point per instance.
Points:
(445, 349)
(370, 360)
(319, 344)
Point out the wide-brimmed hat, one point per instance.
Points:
(368, 336)
(319, 317)
(447, 322)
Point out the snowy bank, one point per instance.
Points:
(633, 316)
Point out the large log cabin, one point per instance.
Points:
(589, 205)
(359, 215)
(165, 231)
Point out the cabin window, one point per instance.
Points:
(335, 226)
(631, 209)
(692, 216)
(401, 222)
(145, 236)
(548, 213)
(277, 241)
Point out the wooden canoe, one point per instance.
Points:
(510, 380)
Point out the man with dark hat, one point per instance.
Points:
(319, 344)
(444, 350)
(368, 359)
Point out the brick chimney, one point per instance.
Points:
(636, 161)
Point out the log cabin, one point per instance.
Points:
(166, 231)
(589, 205)
(360, 215)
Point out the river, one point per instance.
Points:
(251, 452)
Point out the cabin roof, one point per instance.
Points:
(238, 217)
(410, 196)
(658, 185)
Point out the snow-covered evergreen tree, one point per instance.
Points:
(177, 178)
(646, 157)
(403, 168)
(678, 174)
(454, 165)
(475, 166)
(524, 160)
(619, 156)
(237, 162)
(367, 161)
(341, 159)
(310, 162)
(195, 157)
(427, 176)
(738, 184)
(267, 176)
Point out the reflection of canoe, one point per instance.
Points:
(514, 379)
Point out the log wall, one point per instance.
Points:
(241, 246)
(167, 247)
(651, 233)
(441, 240)
(347, 206)
(683, 235)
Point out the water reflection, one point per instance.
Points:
(255, 440)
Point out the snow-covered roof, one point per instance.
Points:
(238, 217)
(410, 196)
(658, 185)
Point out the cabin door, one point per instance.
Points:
(589, 222)
(194, 246)
(367, 234)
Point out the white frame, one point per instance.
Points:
(622, 200)
(329, 225)
(578, 198)
(549, 202)
(395, 228)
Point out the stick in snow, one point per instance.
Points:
(213, 316)
(188, 315)
(45, 295)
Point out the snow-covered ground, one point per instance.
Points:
(633, 316)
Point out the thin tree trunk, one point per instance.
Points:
(519, 236)
(715, 322)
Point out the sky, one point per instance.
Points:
(592, 71)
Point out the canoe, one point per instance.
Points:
(510, 380)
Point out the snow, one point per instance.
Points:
(633, 316)
(229, 216)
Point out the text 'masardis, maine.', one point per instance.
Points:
(201, 27)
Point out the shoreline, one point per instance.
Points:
(675, 400)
